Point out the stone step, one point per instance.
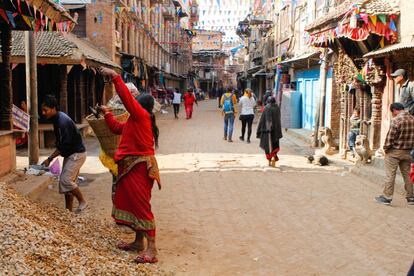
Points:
(28, 185)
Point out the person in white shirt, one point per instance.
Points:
(247, 104)
(176, 102)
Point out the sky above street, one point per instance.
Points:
(222, 15)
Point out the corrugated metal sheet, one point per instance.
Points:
(389, 49)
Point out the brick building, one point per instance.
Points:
(209, 60)
(150, 40)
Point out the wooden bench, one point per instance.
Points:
(45, 128)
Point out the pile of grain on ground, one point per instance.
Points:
(42, 239)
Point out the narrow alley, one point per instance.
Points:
(222, 211)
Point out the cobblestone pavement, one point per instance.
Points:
(222, 211)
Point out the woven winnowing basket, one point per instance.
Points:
(108, 140)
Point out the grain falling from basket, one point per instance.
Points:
(108, 140)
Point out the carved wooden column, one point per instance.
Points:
(375, 79)
(5, 79)
(375, 134)
(342, 123)
(63, 88)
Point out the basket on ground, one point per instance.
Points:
(108, 140)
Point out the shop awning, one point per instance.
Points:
(300, 58)
(408, 45)
(263, 72)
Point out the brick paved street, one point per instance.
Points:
(223, 212)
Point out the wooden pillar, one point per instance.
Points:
(77, 95)
(375, 133)
(63, 88)
(6, 103)
(82, 95)
(32, 101)
(93, 89)
(342, 123)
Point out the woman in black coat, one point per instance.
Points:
(269, 131)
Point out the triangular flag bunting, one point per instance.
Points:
(11, 18)
(392, 26)
(4, 15)
(26, 19)
(373, 19)
(382, 18)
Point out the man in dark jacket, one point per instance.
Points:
(70, 146)
(406, 90)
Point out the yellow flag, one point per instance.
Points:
(382, 42)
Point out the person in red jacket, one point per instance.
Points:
(189, 100)
(412, 166)
(137, 168)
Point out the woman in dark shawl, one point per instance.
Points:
(269, 131)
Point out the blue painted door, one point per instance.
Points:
(308, 85)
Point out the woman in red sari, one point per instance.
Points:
(189, 100)
(137, 168)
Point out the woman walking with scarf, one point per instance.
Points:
(269, 131)
(137, 168)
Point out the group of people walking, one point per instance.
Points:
(269, 129)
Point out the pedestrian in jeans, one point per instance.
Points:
(70, 146)
(176, 102)
(228, 101)
(355, 125)
(397, 147)
(247, 104)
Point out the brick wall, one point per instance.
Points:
(100, 26)
(7, 153)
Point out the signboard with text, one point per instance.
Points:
(20, 118)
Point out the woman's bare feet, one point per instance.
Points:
(133, 246)
(150, 254)
(137, 245)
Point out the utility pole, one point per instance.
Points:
(320, 111)
(31, 93)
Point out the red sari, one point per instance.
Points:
(136, 164)
(189, 100)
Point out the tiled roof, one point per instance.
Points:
(375, 7)
(69, 48)
(48, 44)
(371, 7)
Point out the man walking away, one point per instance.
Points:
(70, 146)
(397, 147)
(247, 104)
(406, 89)
(228, 102)
(176, 102)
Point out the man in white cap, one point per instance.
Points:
(406, 89)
